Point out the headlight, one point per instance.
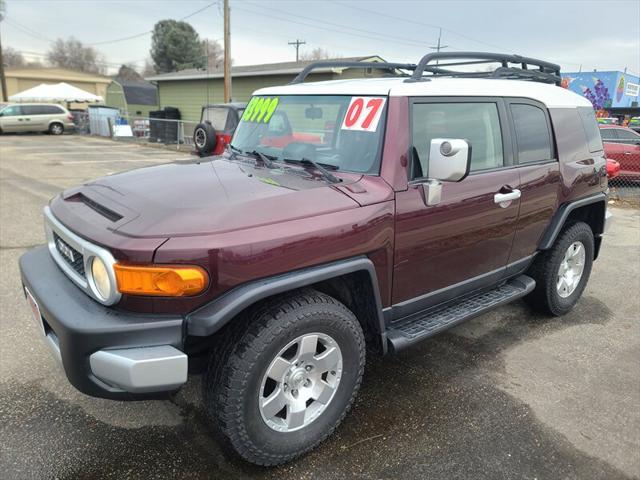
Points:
(100, 276)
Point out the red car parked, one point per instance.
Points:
(623, 145)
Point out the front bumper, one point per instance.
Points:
(103, 351)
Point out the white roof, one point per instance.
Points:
(551, 95)
(59, 92)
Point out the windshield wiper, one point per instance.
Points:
(330, 177)
(234, 150)
(266, 159)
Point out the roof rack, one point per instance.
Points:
(392, 67)
(544, 72)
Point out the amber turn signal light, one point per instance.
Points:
(164, 281)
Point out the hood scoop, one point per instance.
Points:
(95, 206)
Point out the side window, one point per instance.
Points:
(51, 110)
(32, 109)
(591, 130)
(608, 134)
(533, 139)
(626, 135)
(217, 117)
(478, 123)
(11, 111)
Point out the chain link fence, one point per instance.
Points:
(624, 186)
(138, 129)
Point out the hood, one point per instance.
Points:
(212, 196)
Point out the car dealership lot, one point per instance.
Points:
(508, 395)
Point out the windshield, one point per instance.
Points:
(341, 131)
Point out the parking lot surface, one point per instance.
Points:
(510, 394)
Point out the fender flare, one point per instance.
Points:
(561, 215)
(211, 317)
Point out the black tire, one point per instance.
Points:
(56, 128)
(204, 138)
(233, 382)
(545, 298)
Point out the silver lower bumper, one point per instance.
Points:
(141, 370)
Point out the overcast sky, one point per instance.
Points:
(593, 34)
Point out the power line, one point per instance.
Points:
(35, 34)
(423, 24)
(138, 35)
(343, 29)
(98, 62)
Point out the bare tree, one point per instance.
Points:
(318, 53)
(72, 54)
(148, 70)
(214, 54)
(128, 72)
(13, 58)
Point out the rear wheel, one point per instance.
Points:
(561, 273)
(204, 138)
(287, 380)
(56, 129)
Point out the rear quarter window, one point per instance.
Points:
(533, 138)
(590, 127)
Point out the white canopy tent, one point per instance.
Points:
(56, 93)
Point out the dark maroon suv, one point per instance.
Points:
(345, 217)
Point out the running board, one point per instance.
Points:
(421, 325)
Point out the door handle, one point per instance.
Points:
(507, 197)
(627, 153)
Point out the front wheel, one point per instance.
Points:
(561, 273)
(287, 380)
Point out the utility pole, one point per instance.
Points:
(3, 79)
(227, 53)
(439, 47)
(297, 44)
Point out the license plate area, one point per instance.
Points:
(35, 310)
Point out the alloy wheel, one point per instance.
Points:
(570, 270)
(300, 382)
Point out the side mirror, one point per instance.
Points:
(449, 159)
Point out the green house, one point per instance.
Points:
(189, 90)
(133, 99)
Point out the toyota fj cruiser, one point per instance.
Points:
(345, 216)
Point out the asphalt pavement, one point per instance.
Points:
(509, 395)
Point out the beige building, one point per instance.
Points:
(21, 79)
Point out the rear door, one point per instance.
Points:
(539, 170)
(465, 241)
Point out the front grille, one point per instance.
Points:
(69, 254)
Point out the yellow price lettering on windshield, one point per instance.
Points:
(260, 109)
